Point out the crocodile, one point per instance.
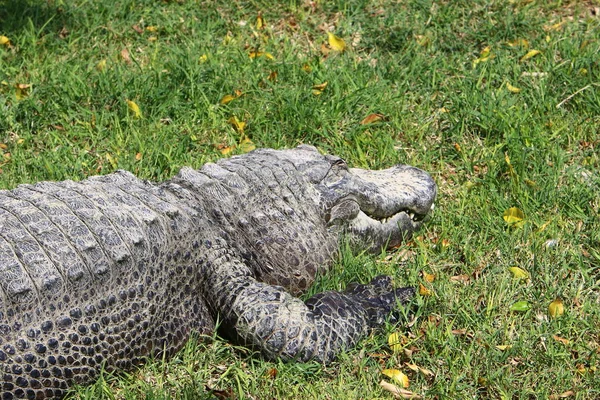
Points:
(108, 271)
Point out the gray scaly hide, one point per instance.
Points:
(104, 272)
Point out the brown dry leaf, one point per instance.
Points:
(563, 395)
(371, 118)
(463, 278)
(422, 370)
(325, 50)
(272, 373)
(138, 156)
(138, 29)
(530, 54)
(125, 55)
(398, 392)
(336, 42)
(64, 32)
(560, 339)
(272, 76)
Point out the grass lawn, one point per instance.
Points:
(499, 100)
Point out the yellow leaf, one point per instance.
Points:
(134, 108)
(371, 118)
(519, 42)
(227, 99)
(203, 58)
(530, 53)
(336, 42)
(504, 347)
(238, 125)
(246, 145)
(395, 342)
(306, 68)
(22, 90)
(257, 54)
(556, 27)
(428, 277)
(112, 160)
(556, 308)
(260, 22)
(4, 41)
(514, 217)
(423, 291)
(101, 66)
(512, 88)
(397, 376)
(151, 28)
(152, 38)
(318, 89)
(485, 52)
(227, 150)
(518, 273)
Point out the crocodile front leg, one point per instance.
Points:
(277, 324)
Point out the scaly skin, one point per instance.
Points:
(107, 271)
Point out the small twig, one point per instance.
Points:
(574, 94)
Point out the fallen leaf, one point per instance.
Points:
(138, 156)
(336, 42)
(520, 306)
(397, 376)
(395, 342)
(463, 278)
(519, 42)
(422, 370)
(226, 150)
(203, 58)
(514, 217)
(556, 308)
(555, 27)
(137, 29)
(306, 68)
(318, 89)
(258, 54)
(227, 99)
(272, 373)
(428, 277)
(561, 340)
(398, 392)
(134, 108)
(272, 76)
(3, 146)
(4, 41)
(423, 291)
(22, 90)
(512, 88)
(530, 53)
(260, 22)
(457, 147)
(371, 118)
(125, 55)
(238, 125)
(563, 395)
(504, 347)
(519, 273)
(101, 66)
(151, 28)
(246, 145)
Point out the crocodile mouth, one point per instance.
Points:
(387, 231)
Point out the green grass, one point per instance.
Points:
(412, 61)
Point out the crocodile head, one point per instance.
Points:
(375, 208)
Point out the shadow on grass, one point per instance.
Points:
(43, 16)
